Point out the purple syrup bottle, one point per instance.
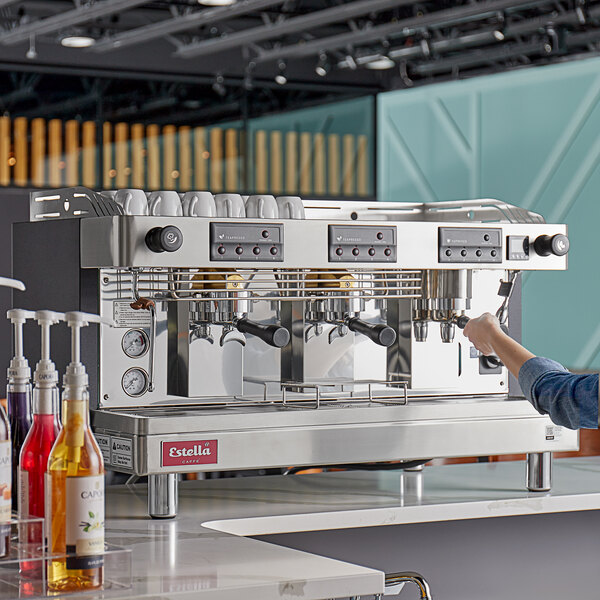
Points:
(18, 396)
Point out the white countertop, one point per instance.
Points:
(201, 554)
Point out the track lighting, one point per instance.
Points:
(323, 66)
(281, 77)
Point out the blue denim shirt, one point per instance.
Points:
(570, 400)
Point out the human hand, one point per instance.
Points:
(482, 331)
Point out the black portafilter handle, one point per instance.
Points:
(274, 335)
(381, 334)
(492, 360)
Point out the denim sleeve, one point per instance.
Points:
(570, 400)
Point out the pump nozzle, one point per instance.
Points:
(45, 371)
(12, 283)
(18, 370)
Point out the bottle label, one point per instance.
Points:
(85, 521)
(5, 482)
(23, 494)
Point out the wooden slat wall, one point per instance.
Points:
(38, 152)
(153, 148)
(53, 154)
(291, 162)
(88, 154)
(216, 160)
(72, 153)
(232, 183)
(201, 156)
(185, 158)
(276, 152)
(138, 154)
(260, 160)
(20, 144)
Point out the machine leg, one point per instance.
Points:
(539, 471)
(162, 496)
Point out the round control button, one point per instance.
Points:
(371, 251)
(486, 237)
(478, 252)
(274, 251)
(256, 250)
(339, 252)
(387, 252)
(379, 235)
(355, 251)
(493, 253)
(463, 252)
(265, 234)
(239, 250)
(221, 250)
(448, 252)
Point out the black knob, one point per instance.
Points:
(545, 245)
(383, 335)
(274, 335)
(164, 239)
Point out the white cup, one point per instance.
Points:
(134, 202)
(262, 207)
(230, 205)
(290, 207)
(199, 204)
(165, 203)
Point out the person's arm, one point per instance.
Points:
(570, 400)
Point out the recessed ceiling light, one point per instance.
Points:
(217, 2)
(77, 41)
(381, 63)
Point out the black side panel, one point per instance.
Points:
(46, 258)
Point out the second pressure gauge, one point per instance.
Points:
(135, 382)
(135, 343)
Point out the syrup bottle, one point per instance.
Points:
(18, 394)
(36, 449)
(75, 483)
(5, 454)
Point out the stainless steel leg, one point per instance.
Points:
(162, 496)
(539, 471)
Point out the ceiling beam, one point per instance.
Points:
(189, 79)
(181, 23)
(67, 19)
(402, 27)
(315, 18)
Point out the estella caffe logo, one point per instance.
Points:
(197, 452)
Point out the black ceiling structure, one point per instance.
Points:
(181, 61)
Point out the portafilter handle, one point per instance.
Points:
(273, 335)
(492, 359)
(381, 334)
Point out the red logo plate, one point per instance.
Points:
(200, 452)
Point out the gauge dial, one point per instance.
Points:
(135, 382)
(135, 343)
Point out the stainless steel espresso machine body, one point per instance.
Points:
(245, 343)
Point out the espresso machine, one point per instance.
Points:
(332, 338)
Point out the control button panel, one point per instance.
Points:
(362, 243)
(246, 242)
(517, 247)
(470, 245)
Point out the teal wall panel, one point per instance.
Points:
(531, 138)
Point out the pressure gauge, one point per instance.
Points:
(135, 381)
(135, 343)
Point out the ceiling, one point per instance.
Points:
(181, 61)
